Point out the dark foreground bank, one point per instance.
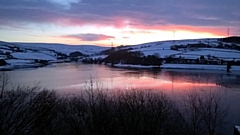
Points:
(31, 110)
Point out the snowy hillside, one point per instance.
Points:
(189, 54)
(25, 55)
(190, 49)
(181, 53)
(66, 49)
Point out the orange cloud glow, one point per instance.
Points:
(196, 29)
(123, 22)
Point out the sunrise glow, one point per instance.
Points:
(120, 22)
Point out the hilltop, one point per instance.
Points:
(214, 53)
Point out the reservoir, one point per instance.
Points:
(70, 78)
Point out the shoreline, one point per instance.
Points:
(192, 67)
(182, 66)
(27, 66)
(15, 67)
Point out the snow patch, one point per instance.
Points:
(238, 128)
(32, 55)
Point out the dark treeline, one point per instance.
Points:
(29, 110)
(126, 56)
(233, 39)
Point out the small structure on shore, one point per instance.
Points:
(229, 65)
(237, 130)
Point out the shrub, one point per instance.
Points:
(3, 62)
(75, 54)
(26, 111)
(204, 113)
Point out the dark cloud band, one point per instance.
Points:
(147, 14)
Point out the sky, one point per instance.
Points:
(116, 22)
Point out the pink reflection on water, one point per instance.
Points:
(144, 82)
(159, 84)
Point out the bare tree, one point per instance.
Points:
(214, 112)
(25, 110)
(15, 113)
(4, 80)
(204, 113)
(192, 113)
(147, 112)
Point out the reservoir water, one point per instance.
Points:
(73, 77)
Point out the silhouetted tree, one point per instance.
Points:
(204, 113)
(75, 54)
(3, 62)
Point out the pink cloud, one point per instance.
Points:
(143, 27)
(89, 37)
(138, 32)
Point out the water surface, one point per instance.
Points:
(73, 77)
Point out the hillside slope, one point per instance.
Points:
(28, 55)
(191, 49)
(192, 54)
(218, 51)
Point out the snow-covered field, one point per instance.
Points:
(25, 54)
(164, 49)
(66, 49)
(28, 55)
(219, 53)
(33, 55)
(213, 53)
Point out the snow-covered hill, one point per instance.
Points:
(66, 49)
(190, 49)
(191, 54)
(23, 55)
(213, 51)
